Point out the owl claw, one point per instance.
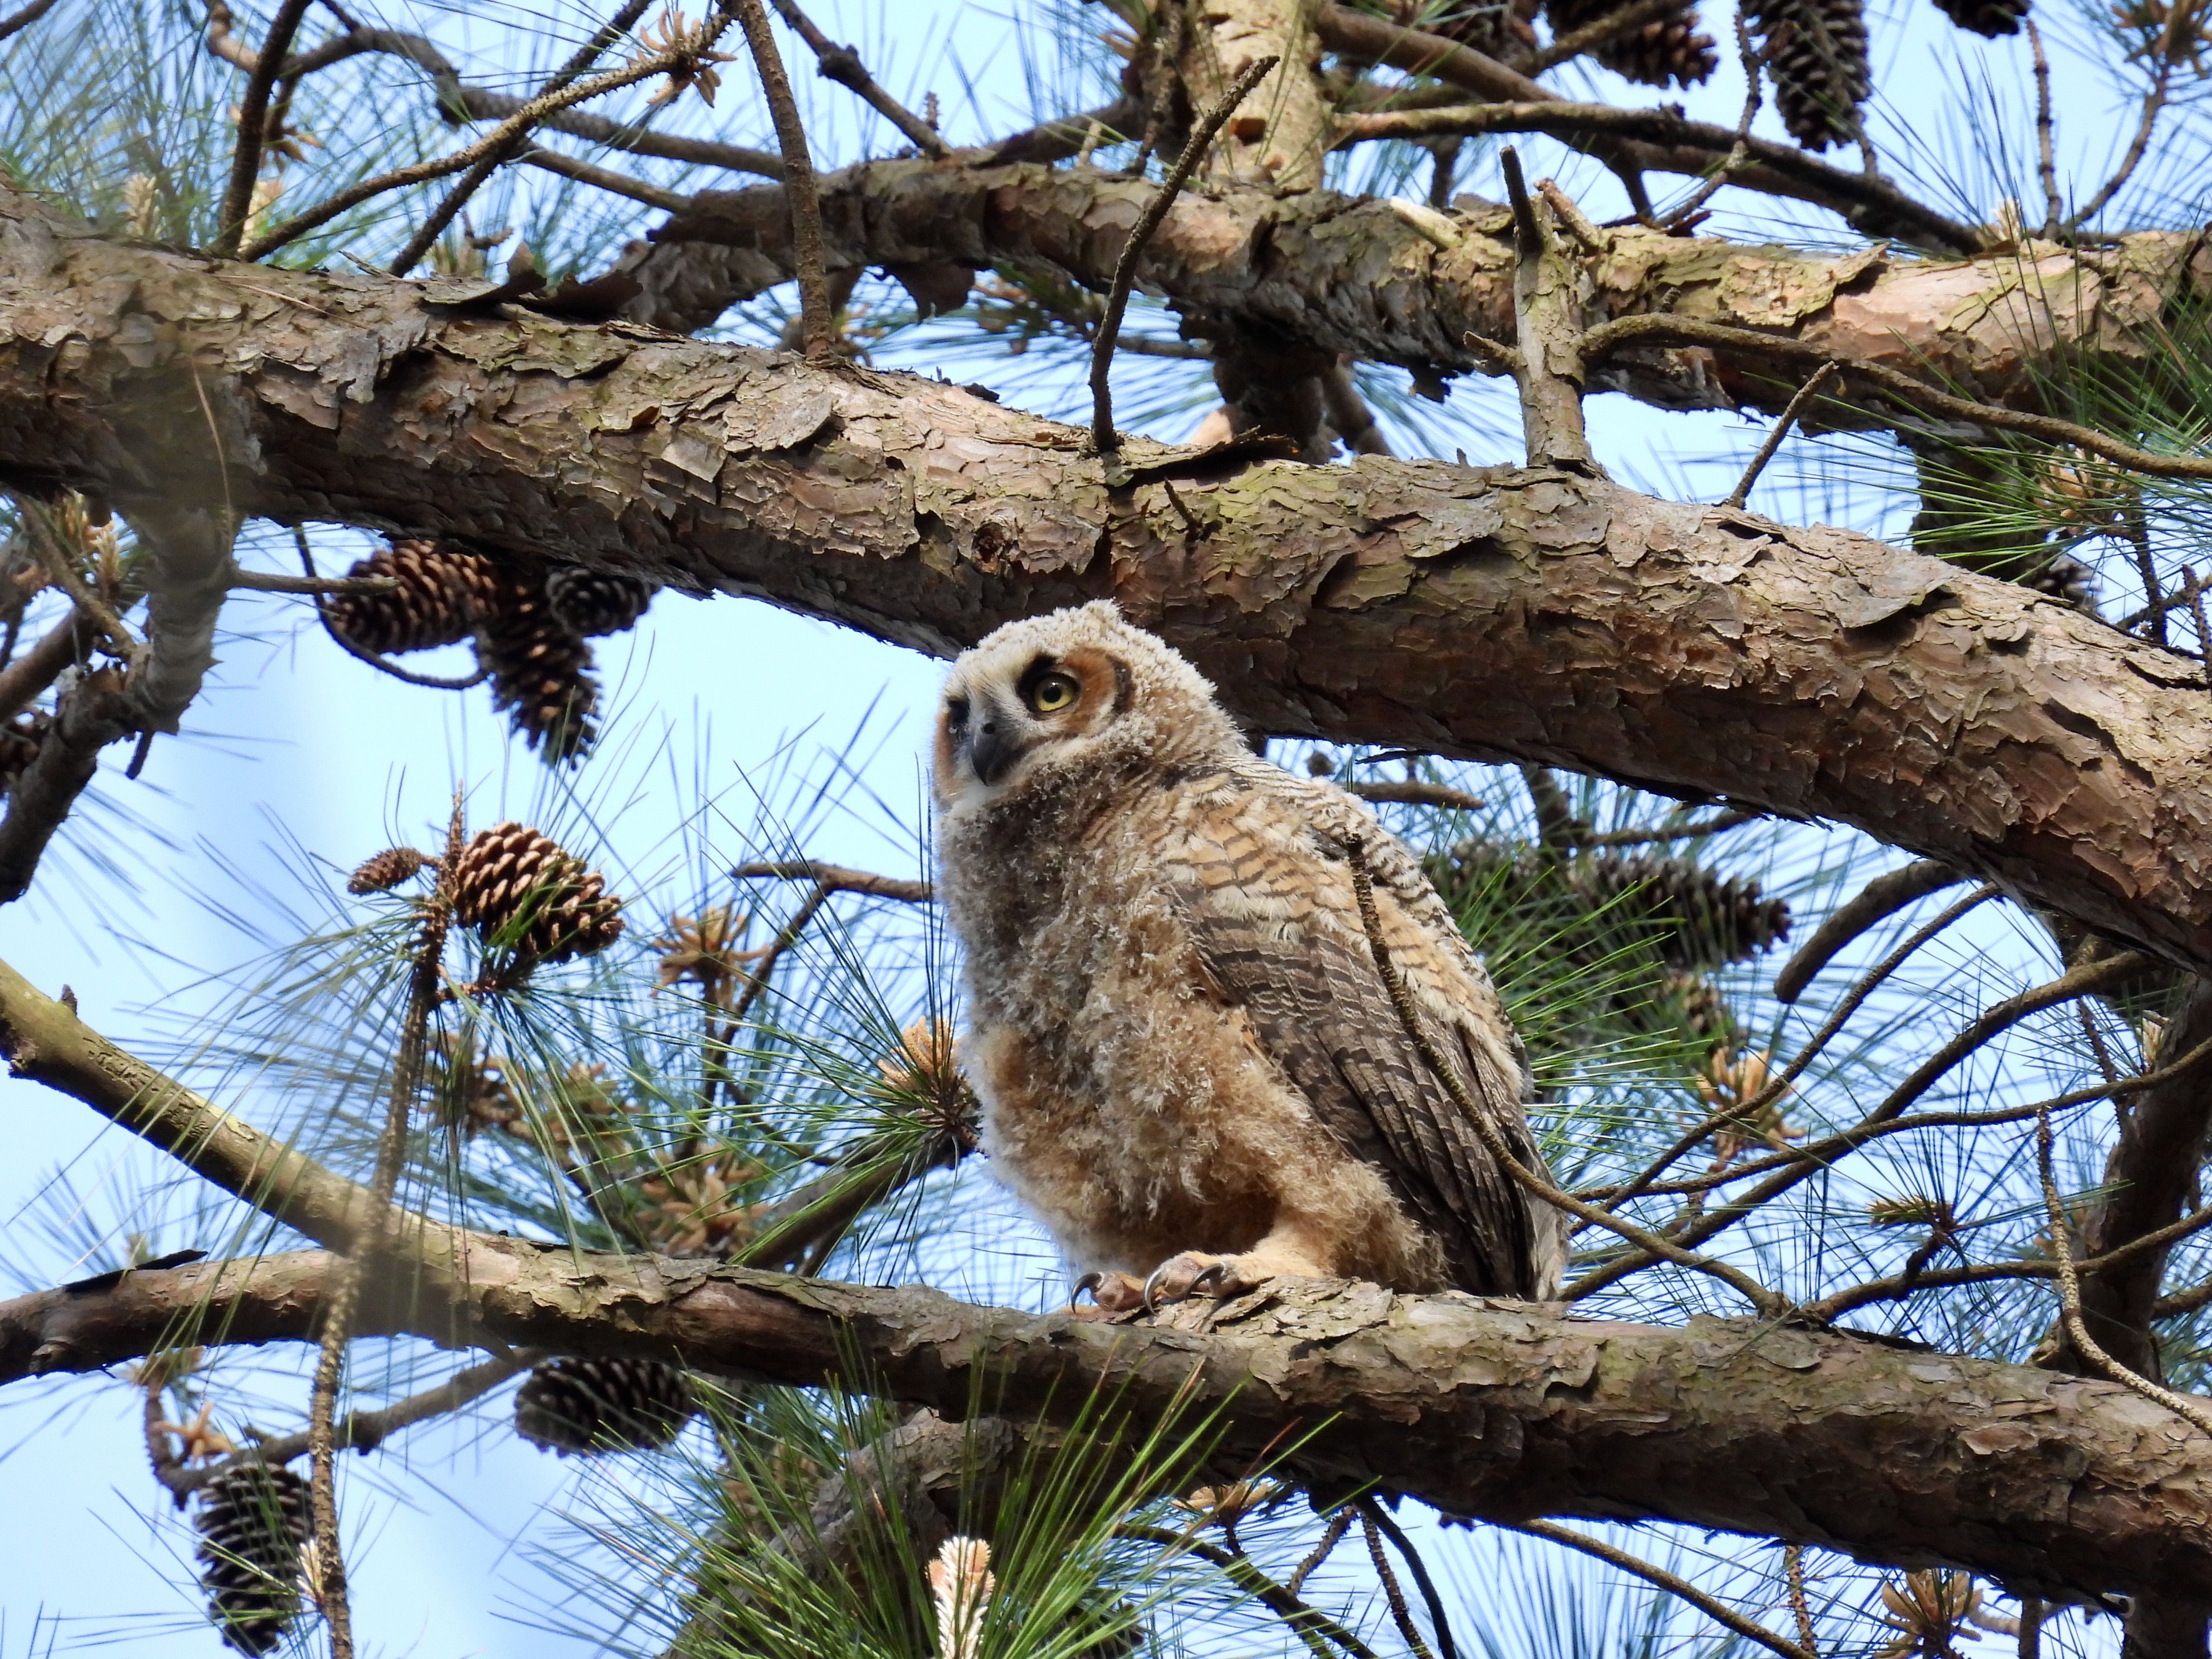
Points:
(1091, 1282)
(1181, 1277)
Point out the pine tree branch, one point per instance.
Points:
(1714, 1609)
(15, 22)
(1487, 1410)
(1694, 667)
(842, 64)
(1875, 904)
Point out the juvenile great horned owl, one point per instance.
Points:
(1191, 1068)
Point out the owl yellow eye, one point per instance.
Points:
(1054, 692)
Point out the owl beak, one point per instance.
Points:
(993, 748)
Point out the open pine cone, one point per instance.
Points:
(521, 890)
(540, 668)
(444, 591)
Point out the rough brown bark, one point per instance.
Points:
(2057, 1485)
(1487, 612)
(1388, 280)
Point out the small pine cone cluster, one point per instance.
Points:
(444, 592)
(540, 669)
(1503, 29)
(590, 603)
(1989, 17)
(1668, 50)
(254, 1526)
(1816, 53)
(19, 745)
(1700, 919)
(386, 870)
(576, 1408)
(520, 889)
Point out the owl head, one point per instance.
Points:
(1076, 689)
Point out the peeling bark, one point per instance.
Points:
(1387, 281)
(2056, 1485)
(1493, 613)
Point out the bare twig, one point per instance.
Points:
(1793, 1575)
(1776, 433)
(606, 178)
(1104, 437)
(1687, 214)
(1414, 792)
(838, 880)
(270, 581)
(2054, 210)
(800, 190)
(364, 1431)
(1393, 1596)
(29, 675)
(2173, 46)
(1340, 1521)
(757, 981)
(15, 22)
(1608, 337)
(525, 116)
(1767, 1303)
(458, 197)
(1379, 1519)
(842, 64)
(1719, 1611)
(2070, 1294)
(1879, 900)
(1711, 826)
(2156, 601)
(252, 127)
(425, 988)
(1601, 31)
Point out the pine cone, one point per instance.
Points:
(520, 888)
(1667, 51)
(386, 870)
(1815, 53)
(1989, 17)
(1697, 919)
(19, 746)
(253, 1525)
(540, 669)
(581, 1406)
(588, 602)
(443, 591)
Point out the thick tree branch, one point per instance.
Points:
(1491, 613)
(2058, 1485)
(1386, 280)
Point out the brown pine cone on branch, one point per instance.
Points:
(1989, 17)
(1503, 29)
(1667, 51)
(592, 602)
(1699, 919)
(444, 591)
(253, 1525)
(540, 668)
(522, 892)
(1816, 53)
(386, 870)
(577, 1408)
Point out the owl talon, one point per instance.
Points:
(1181, 1277)
(1091, 1282)
(1153, 1283)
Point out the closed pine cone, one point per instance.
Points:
(443, 591)
(1815, 53)
(253, 1525)
(540, 668)
(592, 602)
(1667, 51)
(518, 888)
(385, 871)
(576, 1408)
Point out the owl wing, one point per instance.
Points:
(1264, 886)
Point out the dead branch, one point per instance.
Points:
(816, 323)
(1776, 434)
(1103, 438)
(842, 64)
(1415, 793)
(1377, 1519)
(1879, 900)
(25, 677)
(606, 178)
(1697, 831)
(16, 22)
(272, 582)
(252, 126)
(838, 880)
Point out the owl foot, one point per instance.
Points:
(1181, 1277)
